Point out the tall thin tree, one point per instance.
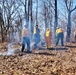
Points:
(56, 18)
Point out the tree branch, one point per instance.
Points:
(66, 4)
(22, 2)
(73, 9)
(70, 5)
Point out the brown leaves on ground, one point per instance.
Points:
(41, 62)
(3, 47)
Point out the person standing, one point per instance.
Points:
(26, 39)
(59, 36)
(48, 38)
(36, 36)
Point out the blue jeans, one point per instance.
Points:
(60, 36)
(26, 40)
(36, 40)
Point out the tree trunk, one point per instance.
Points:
(1, 25)
(69, 27)
(26, 13)
(32, 27)
(70, 10)
(37, 13)
(50, 8)
(45, 16)
(2, 34)
(56, 19)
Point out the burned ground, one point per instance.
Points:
(55, 61)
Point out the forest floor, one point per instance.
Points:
(57, 61)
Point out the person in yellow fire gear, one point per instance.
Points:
(48, 38)
(26, 39)
(36, 36)
(59, 36)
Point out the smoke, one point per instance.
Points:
(32, 45)
(10, 50)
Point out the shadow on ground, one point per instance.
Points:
(44, 53)
(58, 48)
(71, 46)
(54, 48)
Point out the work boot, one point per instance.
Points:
(48, 47)
(29, 52)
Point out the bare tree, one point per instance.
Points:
(48, 13)
(69, 5)
(27, 4)
(9, 13)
